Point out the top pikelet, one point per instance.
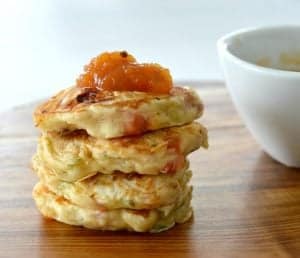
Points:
(118, 97)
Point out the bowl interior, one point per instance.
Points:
(273, 47)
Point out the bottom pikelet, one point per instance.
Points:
(154, 220)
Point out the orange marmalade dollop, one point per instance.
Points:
(119, 71)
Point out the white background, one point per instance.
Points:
(45, 43)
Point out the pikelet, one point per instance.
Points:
(111, 114)
(153, 220)
(75, 156)
(112, 154)
(118, 190)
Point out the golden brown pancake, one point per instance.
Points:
(78, 155)
(154, 220)
(110, 114)
(118, 190)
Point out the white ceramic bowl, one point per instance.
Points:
(267, 99)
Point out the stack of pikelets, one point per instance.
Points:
(117, 160)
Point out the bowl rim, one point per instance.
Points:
(223, 50)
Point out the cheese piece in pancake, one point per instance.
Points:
(78, 155)
(110, 114)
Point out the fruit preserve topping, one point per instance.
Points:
(119, 71)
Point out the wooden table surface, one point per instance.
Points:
(245, 203)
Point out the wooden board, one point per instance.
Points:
(245, 203)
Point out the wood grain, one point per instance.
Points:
(246, 204)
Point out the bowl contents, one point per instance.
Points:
(288, 61)
(113, 150)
